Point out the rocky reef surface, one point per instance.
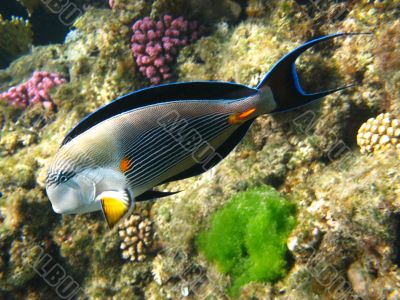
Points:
(345, 242)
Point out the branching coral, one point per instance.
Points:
(15, 38)
(247, 238)
(155, 45)
(35, 90)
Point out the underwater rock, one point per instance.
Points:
(256, 291)
(207, 11)
(34, 91)
(379, 133)
(16, 37)
(358, 279)
(258, 8)
(156, 44)
(354, 204)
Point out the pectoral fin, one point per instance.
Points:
(115, 205)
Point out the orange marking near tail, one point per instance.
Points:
(124, 164)
(247, 113)
(240, 118)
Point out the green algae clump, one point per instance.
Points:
(247, 237)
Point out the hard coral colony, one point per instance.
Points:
(155, 44)
(35, 90)
(137, 234)
(379, 133)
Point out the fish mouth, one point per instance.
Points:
(56, 210)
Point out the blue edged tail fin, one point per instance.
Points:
(284, 82)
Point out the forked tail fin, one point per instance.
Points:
(284, 82)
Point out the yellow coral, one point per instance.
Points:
(380, 133)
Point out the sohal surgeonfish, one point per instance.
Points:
(119, 153)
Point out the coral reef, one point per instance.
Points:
(156, 44)
(35, 90)
(345, 242)
(247, 237)
(16, 38)
(257, 8)
(348, 217)
(137, 236)
(379, 133)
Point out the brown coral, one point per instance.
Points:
(380, 133)
(137, 234)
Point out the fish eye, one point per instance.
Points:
(62, 178)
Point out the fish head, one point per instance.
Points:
(70, 195)
(70, 189)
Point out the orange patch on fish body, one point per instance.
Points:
(124, 164)
(247, 113)
(240, 118)
(232, 119)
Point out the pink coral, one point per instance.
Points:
(34, 90)
(155, 44)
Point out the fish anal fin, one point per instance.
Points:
(115, 205)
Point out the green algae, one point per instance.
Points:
(247, 237)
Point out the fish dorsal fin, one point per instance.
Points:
(197, 90)
(151, 194)
(223, 151)
(115, 205)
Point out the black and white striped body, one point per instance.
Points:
(160, 141)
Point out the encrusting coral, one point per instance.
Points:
(379, 133)
(136, 233)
